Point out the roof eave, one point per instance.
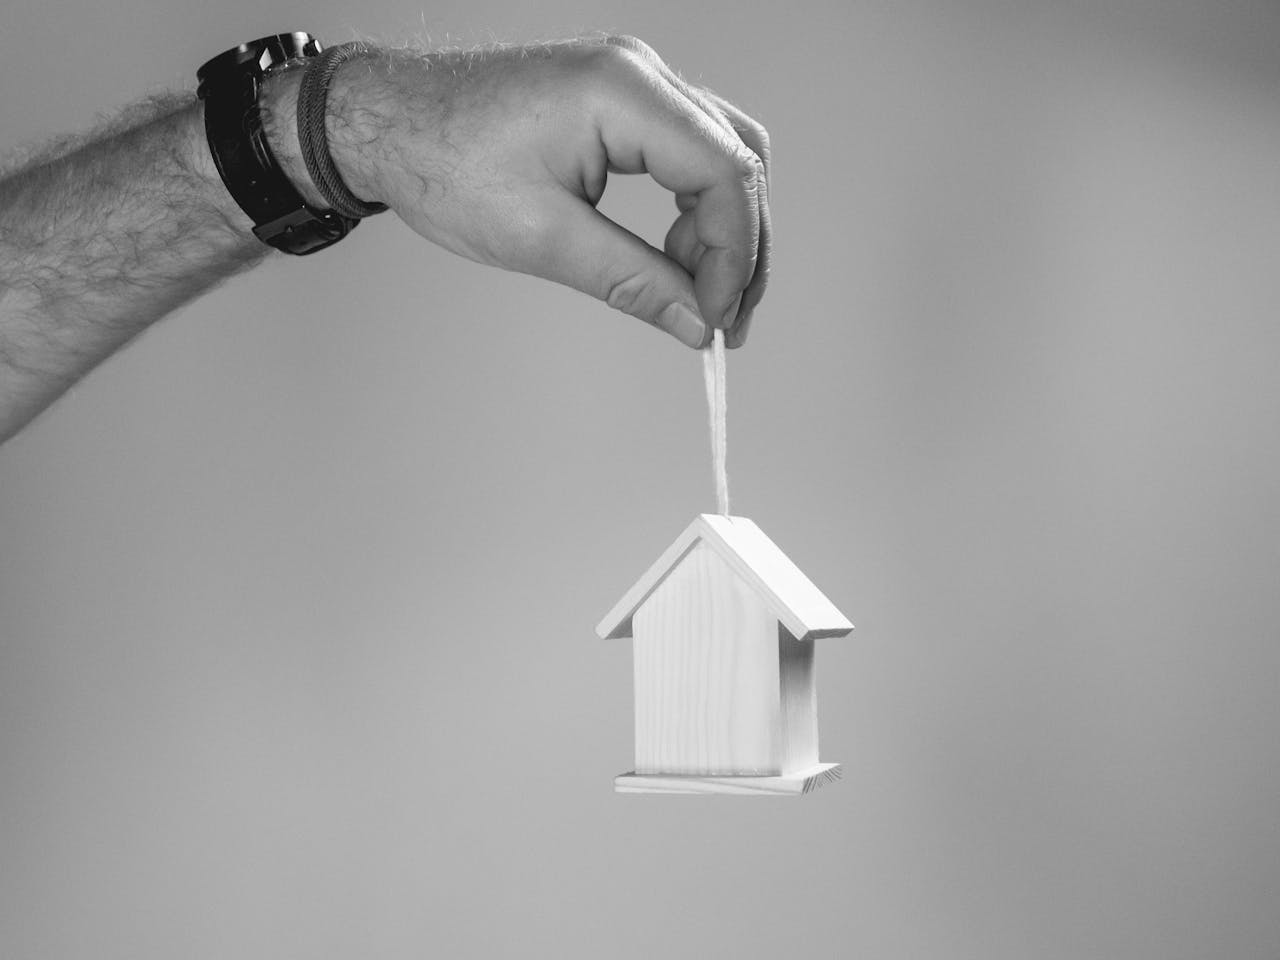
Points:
(757, 560)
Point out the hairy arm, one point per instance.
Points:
(498, 155)
(103, 236)
(99, 241)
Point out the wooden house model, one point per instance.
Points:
(723, 626)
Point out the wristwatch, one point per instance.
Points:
(229, 86)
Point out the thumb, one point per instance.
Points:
(593, 254)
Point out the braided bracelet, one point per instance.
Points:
(313, 97)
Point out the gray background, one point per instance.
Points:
(297, 593)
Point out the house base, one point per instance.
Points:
(790, 785)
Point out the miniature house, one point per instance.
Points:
(724, 626)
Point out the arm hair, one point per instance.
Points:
(101, 235)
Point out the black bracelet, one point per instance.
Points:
(313, 97)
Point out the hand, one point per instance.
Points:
(501, 156)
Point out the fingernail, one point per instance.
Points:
(685, 324)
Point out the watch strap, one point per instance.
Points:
(229, 86)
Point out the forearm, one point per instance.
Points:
(499, 155)
(101, 242)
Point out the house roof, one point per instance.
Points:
(786, 591)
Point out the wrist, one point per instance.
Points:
(351, 125)
(209, 186)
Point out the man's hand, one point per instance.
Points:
(502, 155)
(499, 155)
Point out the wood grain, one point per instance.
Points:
(792, 785)
(798, 709)
(781, 585)
(724, 626)
(707, 686)
(790, 595)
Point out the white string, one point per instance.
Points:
(713, 377)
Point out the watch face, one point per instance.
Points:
(255, 58)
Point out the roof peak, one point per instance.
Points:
(786, 591)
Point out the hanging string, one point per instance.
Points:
(713, 376)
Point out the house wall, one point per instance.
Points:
(798, 709)
(706, 674)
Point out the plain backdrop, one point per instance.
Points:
(297, 592)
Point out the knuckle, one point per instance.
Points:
(629, 294)
(752, 127)
(741, 256)
(762, 137)
(630, 44)
(747, 168)
(620, 60)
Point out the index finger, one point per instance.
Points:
(649, 125)
(756, 137)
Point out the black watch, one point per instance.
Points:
(229, 85)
